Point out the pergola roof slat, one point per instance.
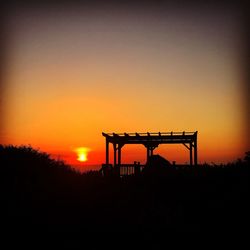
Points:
(159, 137)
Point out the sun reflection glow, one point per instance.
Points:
(82, 154)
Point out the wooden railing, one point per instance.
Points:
(124, 169)
(130, 169)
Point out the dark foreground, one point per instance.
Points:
(44, 202)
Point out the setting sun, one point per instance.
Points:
(82, 153)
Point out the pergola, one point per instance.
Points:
(150, 141)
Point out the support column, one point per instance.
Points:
(119, 154)
(195, 153)
(107, 152)
(148, 153)
(114, 145)
(191, 153)
(151, 151)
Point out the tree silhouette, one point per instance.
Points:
(43, 196)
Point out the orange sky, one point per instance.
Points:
(71, 74)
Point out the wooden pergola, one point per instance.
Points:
(150, 141)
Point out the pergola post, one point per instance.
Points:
(195, 151)
(119, 154)
(147, 153)
(151, 151)
(114, 145)
(107, 151)
(191, 153)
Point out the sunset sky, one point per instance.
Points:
(73, 72)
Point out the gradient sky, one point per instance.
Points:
(74, 72)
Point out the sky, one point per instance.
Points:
(73, 72)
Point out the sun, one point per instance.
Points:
(82, 154)
(82, 157)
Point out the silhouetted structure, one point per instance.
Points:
(150, 141)
(157, 166)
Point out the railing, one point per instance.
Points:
(134, 168)
(125, 169)
(130, 169)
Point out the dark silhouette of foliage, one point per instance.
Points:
(247, 157)
(43, 197)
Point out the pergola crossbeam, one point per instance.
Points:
(186, 146)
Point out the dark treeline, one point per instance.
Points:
(43, 197)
